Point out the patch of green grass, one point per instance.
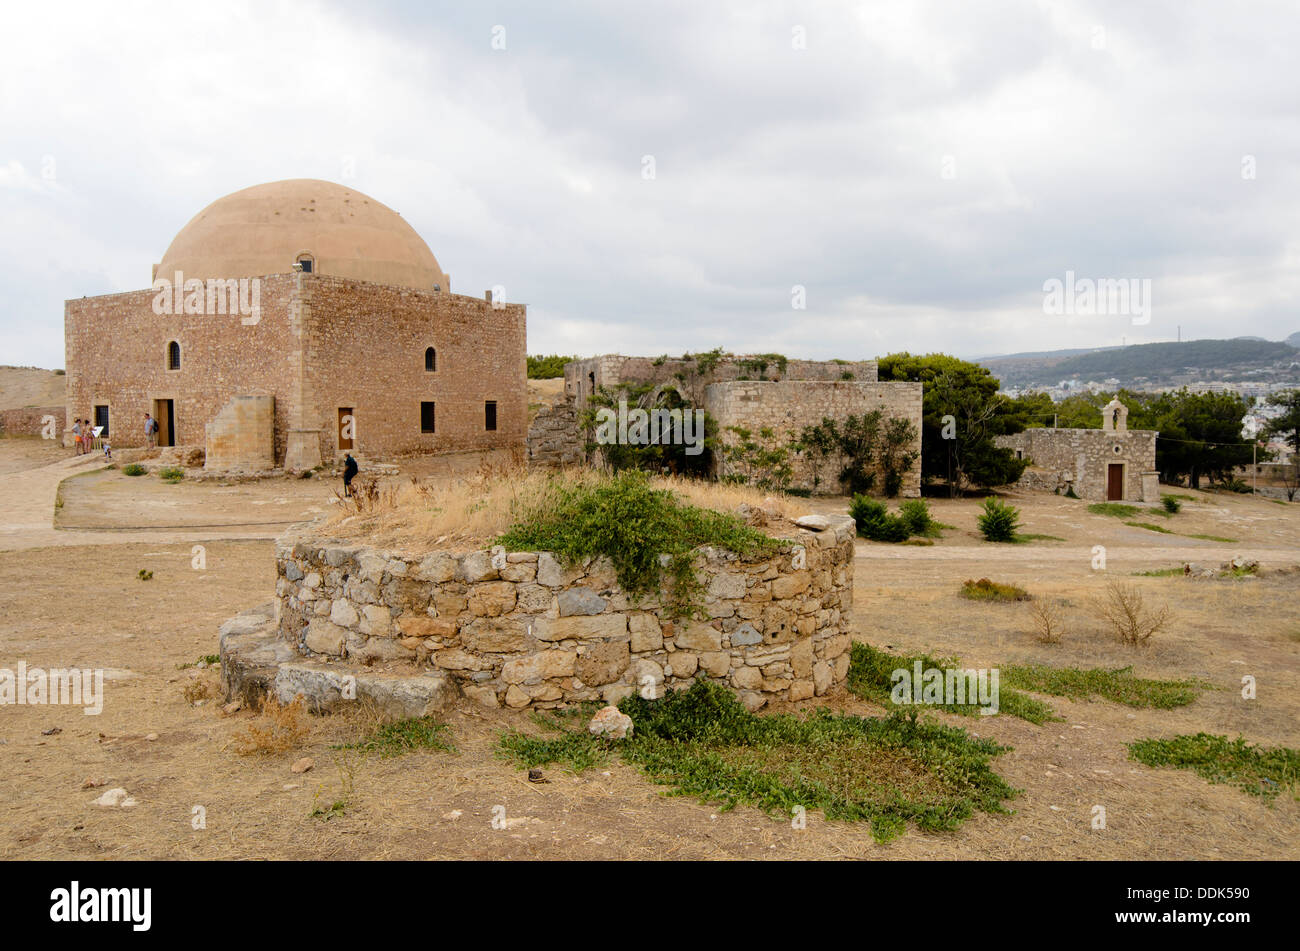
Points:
(171, 474)
(1037, 537)
(405, 736)
(1215, 538)
(627, 520)
(1260, 771)
(337, 808)
(1118, 685)
(986, 590)
(211, 660)
(134, 469)
(1151, 528)
(1117, 509)
(886, 771)
(871, 677)
(1161, 573)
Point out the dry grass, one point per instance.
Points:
(1126, 613)
(1048, 615)
(197, 688)
(420, 515)
(277, 728)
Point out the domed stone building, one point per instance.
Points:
(290, 322)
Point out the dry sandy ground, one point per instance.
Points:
(73, 598)
(31, 386)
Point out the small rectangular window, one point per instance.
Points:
(101, 418)
(427, 419)
(490, 415)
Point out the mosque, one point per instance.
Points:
(291, 322)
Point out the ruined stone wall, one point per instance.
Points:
(583, 377)
(242, 437)
(520, 628)
(116, 352)
(1081, 457)
(553, 436)
(787, 407)
(367, 352)
(26, 421)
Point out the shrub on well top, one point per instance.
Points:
(999, 521)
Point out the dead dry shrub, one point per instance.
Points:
(196, 689)
(1128, 616)
(1048, 615)
(276, 728)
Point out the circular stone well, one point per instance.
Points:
(522, 629)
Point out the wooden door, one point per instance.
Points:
(347, 427)
(164, 414)
(1115, 482)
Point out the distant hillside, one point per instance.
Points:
(1153, 364)
(1154, 360)
(1294, 340)
(31, 386)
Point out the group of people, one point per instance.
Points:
(83, 437)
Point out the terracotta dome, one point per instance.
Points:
(265, 229)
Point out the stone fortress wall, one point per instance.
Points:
(752, 392)
(787, 407)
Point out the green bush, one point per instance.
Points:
(633, 524)
(134, 469)
(875, 522)
(1171, 504)
(171, 474)
(547, 368)
(916, 513)
(999, 521)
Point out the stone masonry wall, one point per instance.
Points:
(322, 343)
(366, 352)
(583, 377)
(1082, 457)
(553, 436)
(520, 628)
(787, 407)
(242, 437)
(26, 421)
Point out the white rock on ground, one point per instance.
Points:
(611, 722)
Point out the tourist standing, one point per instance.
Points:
(150, 431)
(349, 473)
(76, 434)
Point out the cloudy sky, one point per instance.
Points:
(658, 177)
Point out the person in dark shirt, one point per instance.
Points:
(349, 473)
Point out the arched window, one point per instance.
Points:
(430, 359)
(173, 356)
(308, 262)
